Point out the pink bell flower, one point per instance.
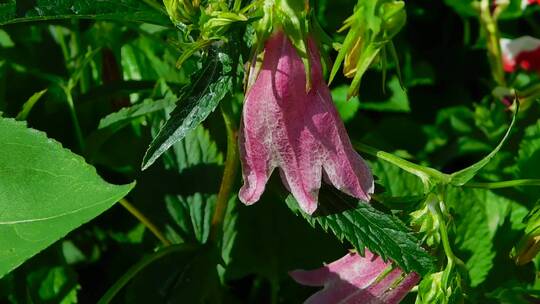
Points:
(522, 52)
(297, 130)
(357, 280)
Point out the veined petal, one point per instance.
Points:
(356, 279)
(296, 131)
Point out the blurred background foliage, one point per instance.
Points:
(445, 118)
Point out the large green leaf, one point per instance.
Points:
(364, 226)
(45, 192)
(14, 11)
(212, 83)
(478, 215)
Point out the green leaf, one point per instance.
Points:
(478, 215)
(461, 177)
(180, 278)
(53, 285)
(210, 87)
(15, 11)
(270, 241)
(45, 192)
(193, 213)
(29, 104)
(364, 226)
(148, 106)
(528, 159)
(398, 101)
(346, 108)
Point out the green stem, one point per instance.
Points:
(445, 241)
(62, 42)
(145, 221)
(505, 184)
(74, 118)
(229, 174)
(489, 25)
(78, 53)
(135, 269)
(424, 173)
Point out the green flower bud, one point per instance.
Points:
(529, 245)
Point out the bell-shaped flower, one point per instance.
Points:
(357, 279)
(522, 52)
(296, 129)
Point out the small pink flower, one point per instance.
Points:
(356, 279)
(523, 52)
(296, 131)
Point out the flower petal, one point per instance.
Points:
(356, 279)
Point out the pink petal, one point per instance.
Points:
(356, 279)
(296, 131)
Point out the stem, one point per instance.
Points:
(424, 173)
(61, 42)
(489, 24)
(445, 242)
(145, 221)
(135, 269)
(74, 118)
(229, 174)
(79, 54)
(505, 184)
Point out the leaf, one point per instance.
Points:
(29, 104)
(528, 159)
(210, 87)
(193, 213)
(397, 102)
(45, 192)
(478, 214)
(15, 11)
(148, 106)
(461, 177)
(183, 276)
(270, 241)
(53, 285)
(364, 226)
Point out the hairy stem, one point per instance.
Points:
(229, 174)
(145, 221)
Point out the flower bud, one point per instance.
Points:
(529, 245)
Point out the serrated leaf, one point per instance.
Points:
(478, 214)
(461, 177)
(193, 213)
(45, 192)
(138, 110)
(364, 226)
(210, 87)
(15, 11)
